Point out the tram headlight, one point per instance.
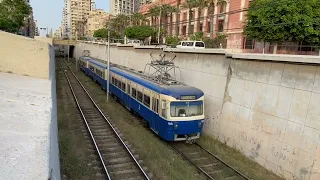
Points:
(175, 125)
(199, 124)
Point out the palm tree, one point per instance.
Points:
(137, 19)
(190, 4)
(177, 18)
(201, 4)
(153, 12)
(211, 7)
(119, 23)
(167, 9)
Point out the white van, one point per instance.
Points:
(134, 41)
(191, 45)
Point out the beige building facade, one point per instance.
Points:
(97, 19)
(74, 18)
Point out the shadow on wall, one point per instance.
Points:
(71, 51)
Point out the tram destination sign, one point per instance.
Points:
(187, 97)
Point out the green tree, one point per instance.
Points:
(13, 14)
(172, 41)
(190, 4)
(139, 32)
(166, 10)
(284, 20)
(178, 17)
(154, 12)
(196, 36)
(220, 41)
(200, 4)
(137, 19)
(119, 23)
(103, 33)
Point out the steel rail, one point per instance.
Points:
(190, 161)
(236, 171)
(106, 119)
(87, 125)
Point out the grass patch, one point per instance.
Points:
(74, 157)
(163, 162)
(236, 159)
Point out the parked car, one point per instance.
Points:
(191, 45)
(134, 41)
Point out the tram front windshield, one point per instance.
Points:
(186, 109)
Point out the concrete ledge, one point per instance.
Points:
(278, 57)
(125, 45)
(198, 51)
(147, 47)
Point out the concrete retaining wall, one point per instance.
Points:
(24, 56)
(266, 109)
(30, 57)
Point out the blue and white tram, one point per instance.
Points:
(174, 112)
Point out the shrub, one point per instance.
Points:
(172, 41)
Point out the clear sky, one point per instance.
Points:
(48, 13)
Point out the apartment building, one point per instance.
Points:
(97, 19)
(79, 12)
(74, 17)
(228, 18)
(126, 7)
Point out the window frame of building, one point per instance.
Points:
(248, 43)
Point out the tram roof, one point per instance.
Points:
(175, 91)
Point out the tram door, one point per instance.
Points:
(128, 100)
(155, 109)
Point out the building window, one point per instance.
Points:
(223, 8)
(220, 26)
(192, 28)
(209, 27)
(184, 30)
(201, 27)
(248, 43)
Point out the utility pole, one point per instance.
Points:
(108, 59)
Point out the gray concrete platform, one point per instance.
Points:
(27, 110)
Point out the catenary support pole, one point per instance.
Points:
(108, 59)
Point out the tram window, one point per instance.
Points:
(134, 93)
(91, 68)
(99, 72)
(112, 80)
(115, 82)
(153, 104)
(146, 100)
(128, 89)
(119, 84)
(139, 96)
(157, 105)
(123, 86)
(164, 109)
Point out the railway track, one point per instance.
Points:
(207, 163)
(114, 156)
